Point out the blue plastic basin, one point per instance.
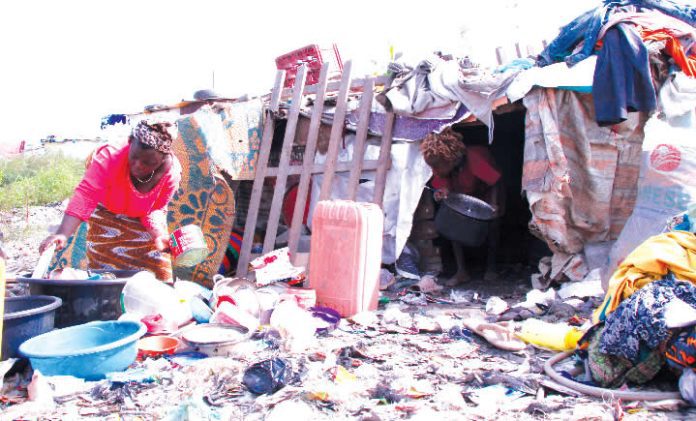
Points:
(88, 351)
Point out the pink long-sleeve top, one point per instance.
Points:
(107, 182)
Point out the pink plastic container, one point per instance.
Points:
(346, 255)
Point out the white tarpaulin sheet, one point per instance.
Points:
(405, 182)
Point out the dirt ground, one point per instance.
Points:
(23, 230)
(412, 359)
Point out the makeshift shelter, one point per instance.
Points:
(578, 173)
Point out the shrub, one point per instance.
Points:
(38, 180)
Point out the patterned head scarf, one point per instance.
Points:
(154, 135)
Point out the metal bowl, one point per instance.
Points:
(215, 339)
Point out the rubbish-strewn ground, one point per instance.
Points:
(413, 359)
(23, 230)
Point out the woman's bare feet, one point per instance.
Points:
(460, 277)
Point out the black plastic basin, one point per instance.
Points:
(24, 318)
(83, 300)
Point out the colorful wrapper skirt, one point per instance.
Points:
(118, 242)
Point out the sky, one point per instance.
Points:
(66, 64)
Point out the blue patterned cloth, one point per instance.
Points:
(638, 324)
(586, 28)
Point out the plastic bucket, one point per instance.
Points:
(87, 351)
(26, 317)
(83, 300)
(188, 246)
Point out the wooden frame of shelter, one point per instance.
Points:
(308, 167)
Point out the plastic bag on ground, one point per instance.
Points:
(296, 325)
(407, 263)
(268, 376)
(144, 295)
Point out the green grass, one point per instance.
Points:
(38, 180)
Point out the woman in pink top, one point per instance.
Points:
(123, 197)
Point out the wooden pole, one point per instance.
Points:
(336, 133)
(360, 137)
(308, 162)
(260, 177)
(283, 165)
(384, 159)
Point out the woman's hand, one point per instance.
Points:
(441, 194)
(59, 240)
(162, 243)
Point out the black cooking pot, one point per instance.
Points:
(464, 219)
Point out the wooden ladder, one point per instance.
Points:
(308, 167)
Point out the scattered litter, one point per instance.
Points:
(591, 287)
(276, 266)
(39, 390)
(386, 279)
(496, 306)
(428, 283)
(291, 409)
(536, 297)
(296, 326)
(463, 296)
(365, 318)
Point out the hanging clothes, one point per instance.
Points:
(585, 28)
(622, 80)
(673, 48)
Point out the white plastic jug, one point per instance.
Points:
(144, 295)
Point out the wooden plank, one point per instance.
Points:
(261, 165)
(308, 163)
(333, 86)
(384, 160)
(501, 56)
(371, 164)
(336, 133)
(360, 137)
(284, 164)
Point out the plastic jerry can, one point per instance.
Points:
(346, 255)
